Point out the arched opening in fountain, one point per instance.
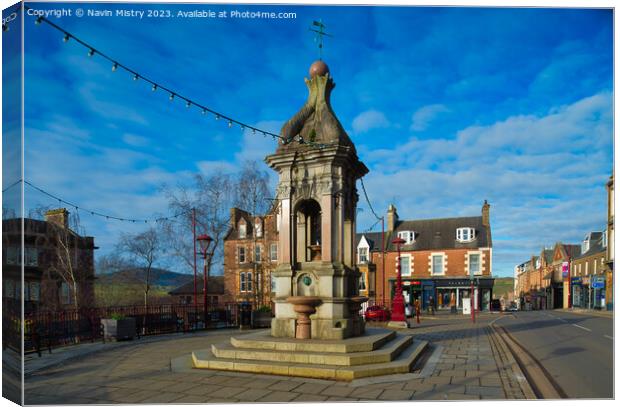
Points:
(308, 231)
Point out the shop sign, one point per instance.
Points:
(565, 269)
(598, 282)
(575, 280)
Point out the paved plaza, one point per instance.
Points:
(464, 362)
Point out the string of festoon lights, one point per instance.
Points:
(172, 94)
(62, 201)
(370, 206)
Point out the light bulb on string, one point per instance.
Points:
(230, 123)
(66, 38)
(136, 77)
(188, 104)
(154, 87)
(204, 111)
(38, 20)
(171, 96)
(217, 117)
(114, 67)
(242, 127)
(91, 52)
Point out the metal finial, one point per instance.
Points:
(319, 35)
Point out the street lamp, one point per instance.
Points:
(398, 303)
(204, 241)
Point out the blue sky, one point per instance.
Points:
(447, 107)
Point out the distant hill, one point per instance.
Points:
(159, 277)
(502, 286)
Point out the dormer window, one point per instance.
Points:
(465, 234)
(585, 244)
(258, 226)
(362, 253)
(242, 230)
(408, 236)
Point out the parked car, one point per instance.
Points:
(512, 307)
(377, 313)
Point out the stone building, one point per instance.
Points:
(437, 259)
(217, 296)
(51, 250)
(556, 275)
(250, 255)
(588, 272)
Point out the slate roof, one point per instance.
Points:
(572, 250)
(215, 285)
(373, 238)
(596, 245)
(434, 234)
(548, 254)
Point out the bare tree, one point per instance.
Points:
(143, 250)
(67, 253)
(211, 197)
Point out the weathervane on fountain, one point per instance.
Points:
(319, 35)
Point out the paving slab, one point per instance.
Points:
(141, 373)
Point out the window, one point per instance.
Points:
(248, 281)
(65, 294)
(242, 285)
(273, 252)
(259, 228)
(362, 255)
(32, 256)
(408, 236)
(242, 255)
(437, 264)
(405, 264)
(257, 254)
(13, 255)
(32, 291)
(273, 284)
(474, 264)
(9, 288)
(604, 239)
(465, 234)
(242, 230)
(362, 282)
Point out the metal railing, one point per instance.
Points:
(47, 330)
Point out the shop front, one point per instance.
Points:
(446, 292)
(598, 288)
(577, 293)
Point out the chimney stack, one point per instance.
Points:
(392, 218)
(486, 221)
(59, 217)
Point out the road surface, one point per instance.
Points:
(576, 349)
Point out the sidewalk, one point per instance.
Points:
(592, 312)
(464, 363)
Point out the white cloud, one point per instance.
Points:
(135, 140)
(368, 120)
(543, 175)
(422, 117)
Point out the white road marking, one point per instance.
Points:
(609, 337)
(583, 327)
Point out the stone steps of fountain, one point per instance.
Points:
(402, 363)
(373, 338)
(388, 352)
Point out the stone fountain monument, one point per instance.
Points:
(318, 330)
(316, 274)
